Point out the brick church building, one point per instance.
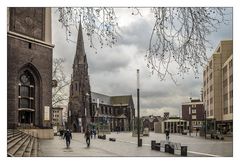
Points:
(80, 96)
(29, 67)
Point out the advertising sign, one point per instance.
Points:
(46, 113)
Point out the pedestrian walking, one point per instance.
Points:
(167, 134)
(197, 130)
(87, 136)
(94, 133)
(91, 133)
(68, 137)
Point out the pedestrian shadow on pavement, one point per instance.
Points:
(67, 150)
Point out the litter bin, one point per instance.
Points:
(171, 149)
(157, 147)
(167, 148)
(140, 142)
(183, 150)
(153, 142)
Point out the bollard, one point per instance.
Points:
(184, 151)
(140, 142)
(166, 148)
(157, 147)
(153, 142)
(171, 149)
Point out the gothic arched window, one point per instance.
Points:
(26, 90)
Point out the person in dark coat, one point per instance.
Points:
(68, 137)
(94, 133)
(91, 133)
(87, 136)
(167, 134)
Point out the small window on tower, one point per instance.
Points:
(72, 89)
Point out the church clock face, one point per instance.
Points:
(24, 79)
(28, 21)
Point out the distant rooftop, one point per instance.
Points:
(111, 100)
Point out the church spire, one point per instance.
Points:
(79, 98)
(80, 51)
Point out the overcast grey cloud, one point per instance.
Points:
(137, 33)
(113, 70)
(109, 60)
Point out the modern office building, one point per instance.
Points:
(217, 87)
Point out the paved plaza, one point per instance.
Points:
(126, 145)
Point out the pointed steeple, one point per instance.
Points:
(80, 51)
(79, 99)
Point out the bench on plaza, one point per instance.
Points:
(169, 147)
(158, 146)
(172, 146)
(155, 145)
(102, 137)
(112, 139)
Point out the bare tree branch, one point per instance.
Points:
(179, 35)
(99, 23)
(59, 95)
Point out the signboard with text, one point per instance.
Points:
(46, 113)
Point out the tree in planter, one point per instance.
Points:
(59, 96)
(178, 38)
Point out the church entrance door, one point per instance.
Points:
(26, 117)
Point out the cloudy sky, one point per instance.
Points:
(113, 70)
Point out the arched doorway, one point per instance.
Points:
(26, 98)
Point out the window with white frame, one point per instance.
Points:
(194, 111)
(194, 117)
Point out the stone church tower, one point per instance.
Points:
(79, 98)
(29, 67)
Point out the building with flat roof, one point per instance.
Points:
(57, 117)
(174, 125)
(217, 86)
(227, 96)
(193, 112)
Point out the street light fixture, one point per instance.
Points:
(190, 114)
(205, 114)
(98, 115)
(85, 110)
(138, 112)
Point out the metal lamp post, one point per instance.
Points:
(205, 114)
(85, 111)
(138, 106)
(190, 113)
(190, 123)
(98, 115)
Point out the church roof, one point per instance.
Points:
(121, 100)
(103, 99)
(111, 100)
